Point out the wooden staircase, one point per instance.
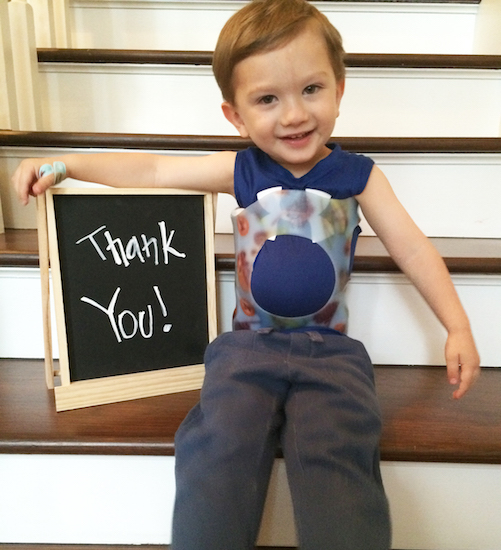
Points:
(104, 475)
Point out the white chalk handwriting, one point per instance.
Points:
(142, 247)
(127, 324)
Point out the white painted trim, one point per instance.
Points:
(487, 37)
(126, 68)
(204, 70)
(442, 159)
(19, 273)
(438, 159)
(395, 279)
(206, 5)
(423, 74)
(24, 57)
(335, 7)
(396, 7)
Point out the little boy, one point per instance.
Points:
(288, 373)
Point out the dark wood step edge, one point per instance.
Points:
(461, 145)
(19, 248)
(204, 58)
(421, 422)
(44, 546)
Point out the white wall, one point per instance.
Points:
(487, 25)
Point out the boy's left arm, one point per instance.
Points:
(419, 260)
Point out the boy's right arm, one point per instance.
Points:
(213, 173)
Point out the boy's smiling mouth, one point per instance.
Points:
(297, 137)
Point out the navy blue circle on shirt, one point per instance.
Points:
(292, 277)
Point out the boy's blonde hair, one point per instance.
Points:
(263, 25)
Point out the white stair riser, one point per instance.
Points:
(186, 100)
(436, 189)
(447, 195)
(129, 500)
(402, 317)
(386, 28)
(387, 308)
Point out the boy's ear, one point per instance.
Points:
(232, 116)
(340, 91)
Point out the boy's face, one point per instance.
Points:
(287, 101)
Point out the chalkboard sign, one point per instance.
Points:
(134, 291)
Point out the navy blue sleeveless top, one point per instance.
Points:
(294, 240)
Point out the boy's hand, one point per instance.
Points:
(463, 361)
(26, 180)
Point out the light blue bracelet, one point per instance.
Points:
(58, 169)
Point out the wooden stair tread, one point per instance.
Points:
(421, 420)
(461, 255)
(45, 546)
(204, 58)
(19, 248)
(169, 142)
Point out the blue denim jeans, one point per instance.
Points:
(313, 395)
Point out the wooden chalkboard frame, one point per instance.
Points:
(122, 387)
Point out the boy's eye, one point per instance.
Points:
(267, 99)
(311, 89)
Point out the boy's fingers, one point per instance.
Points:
(464, 386)
(453, 369)
(25, 177)
(463, 362)
(31, 180)
(466, 377)
(42, 184)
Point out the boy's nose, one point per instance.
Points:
(293, 113)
